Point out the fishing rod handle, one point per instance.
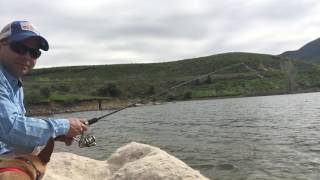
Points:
(92, 121)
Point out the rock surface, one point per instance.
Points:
(133, 161)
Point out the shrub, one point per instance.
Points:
(151, 90)
(45, 92)
(208, 80)
(187, 95)
(61, 87)
(109, 89)
(33, 98)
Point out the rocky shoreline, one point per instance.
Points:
(134, 161)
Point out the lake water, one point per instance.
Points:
(269, 137)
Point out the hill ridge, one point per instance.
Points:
(310, 52)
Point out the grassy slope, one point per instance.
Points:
(134, 80)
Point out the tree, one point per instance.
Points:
(109, 89)
(187, 95)
(208, 80)
(33, 97)
(151, 90)
(196, 82)
(62, 87)
(45, 92)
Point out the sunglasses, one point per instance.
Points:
(22, 49)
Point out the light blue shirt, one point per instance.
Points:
(18, 133)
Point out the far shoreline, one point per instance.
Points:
(50, 108)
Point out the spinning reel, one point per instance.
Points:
(86, 140)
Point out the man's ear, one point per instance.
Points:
(2, 43)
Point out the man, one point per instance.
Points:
(20, 45)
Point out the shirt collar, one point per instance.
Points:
(14, 81)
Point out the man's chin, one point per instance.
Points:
(25, 72)
(22, 72)
(25, 69)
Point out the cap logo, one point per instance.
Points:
(27, 26)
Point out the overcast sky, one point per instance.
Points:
(90, 32)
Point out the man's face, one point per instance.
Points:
(19, 64)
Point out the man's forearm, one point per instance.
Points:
(31, 132)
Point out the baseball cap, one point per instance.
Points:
(19, 30)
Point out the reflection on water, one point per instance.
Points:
(271, 137)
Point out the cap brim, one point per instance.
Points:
(44, 45)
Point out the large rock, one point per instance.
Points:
(132, 162)
(68, 166)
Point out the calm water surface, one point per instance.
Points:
(271, 137)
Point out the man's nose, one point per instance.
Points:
(27, 56)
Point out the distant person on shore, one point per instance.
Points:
(20, 45)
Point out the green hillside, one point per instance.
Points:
(308, 53)
(213, 76)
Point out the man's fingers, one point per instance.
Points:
(84, 122)
(77, 127)
(84, 128)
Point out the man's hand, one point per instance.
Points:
(77, 127)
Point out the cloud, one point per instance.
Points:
(126, 31)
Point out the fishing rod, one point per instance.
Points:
(89, 140)
(96, 119)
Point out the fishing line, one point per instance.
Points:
(96, 119)
(89, 140)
